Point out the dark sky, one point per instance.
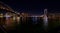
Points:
(33, 6)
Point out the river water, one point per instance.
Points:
(30, 25)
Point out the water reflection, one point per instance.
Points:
(45, 20)
(28, 24)
(34, 19)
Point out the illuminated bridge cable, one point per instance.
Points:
(6, 7)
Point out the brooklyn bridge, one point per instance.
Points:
(19, 22)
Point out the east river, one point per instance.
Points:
(28, 25)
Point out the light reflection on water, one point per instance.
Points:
(9, 21)
(35, 23)
(34, 19)
(45, 20)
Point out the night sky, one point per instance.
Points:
(33, 6)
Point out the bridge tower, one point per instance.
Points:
(45, 19)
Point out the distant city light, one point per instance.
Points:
(1, 15)
(7, 15)
(18, 20)
(34, 19)
(14, 18)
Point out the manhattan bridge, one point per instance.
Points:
(7, 15)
